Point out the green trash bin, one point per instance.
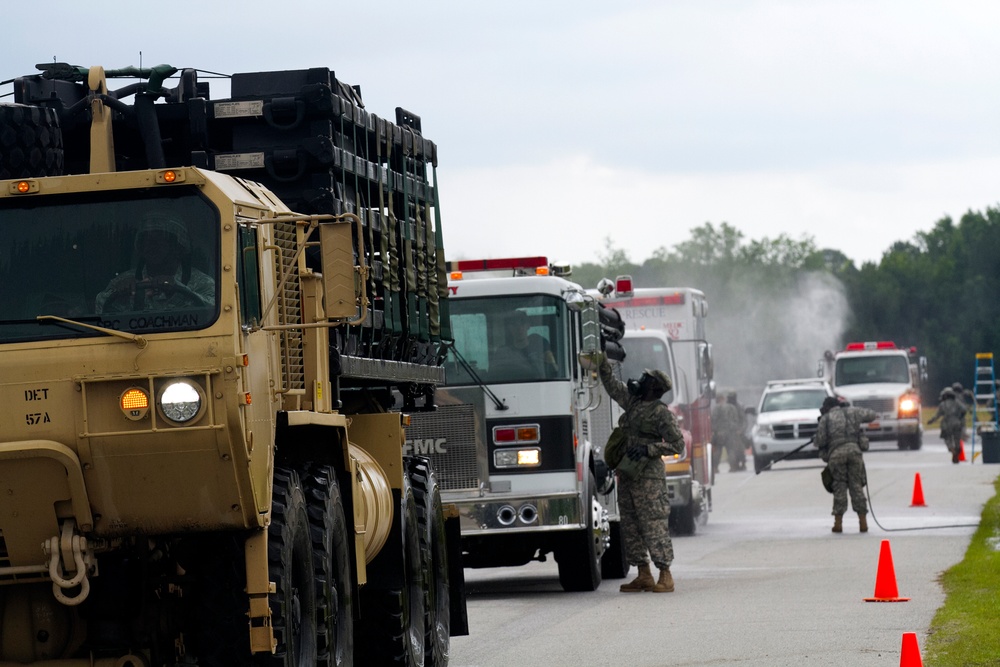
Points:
(991, 446)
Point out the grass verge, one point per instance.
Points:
(964, 630)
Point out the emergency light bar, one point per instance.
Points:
(498, 264)
(871, 345)
(677, 298)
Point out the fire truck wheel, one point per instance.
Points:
(392, 602)
(614, 565)
(332, 561)
(579, 554)
(682, 518)
(430, 515)
(290, 561)
(910, 441)
(31, 143)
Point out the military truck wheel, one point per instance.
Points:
(392, 601)
(614, 565)
(31, 143)
(290, 561)
(579, 555)
(332, 561)
(437, 594)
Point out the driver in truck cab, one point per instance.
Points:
(161, 277)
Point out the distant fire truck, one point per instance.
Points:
(885, 378)
(677, 315)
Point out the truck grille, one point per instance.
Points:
(794, 431)
(447, 436)
(880, 405)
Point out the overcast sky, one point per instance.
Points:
(561, 123)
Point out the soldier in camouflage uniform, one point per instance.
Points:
(951, 411)
(840, 440)
(651, 432)
(727, 433)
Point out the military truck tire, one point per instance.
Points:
(290, 561)
(579, 555)
(332, 561)
(31, 143)
(614, 564)
(433, 541)
(393, 599)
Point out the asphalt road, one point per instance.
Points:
(764, 584)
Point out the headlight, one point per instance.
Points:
(517, 458)
(763, 431)
(908, 404)
(180, 401)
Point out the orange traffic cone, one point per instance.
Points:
(885, 578)
(961, 450)
(910, 655)
(918, 492)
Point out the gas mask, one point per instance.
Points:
(637, 387)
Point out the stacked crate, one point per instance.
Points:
(306, 136)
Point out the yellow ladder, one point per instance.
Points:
(984, 389)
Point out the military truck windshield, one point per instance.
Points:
(652, 353)
(135, 261)
(872, 368)
(508, 339)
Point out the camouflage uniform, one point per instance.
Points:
(642, 499)
(951, 411)
(838, 439)
(727, 432)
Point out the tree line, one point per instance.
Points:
(777, 304)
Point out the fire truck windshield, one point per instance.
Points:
(507, 339)
(139, 261)
(872, 368)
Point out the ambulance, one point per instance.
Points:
(672, 319)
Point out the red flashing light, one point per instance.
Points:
(871, 345)
(623, 285)
(504, 435)
(677, 298)
(506, 263)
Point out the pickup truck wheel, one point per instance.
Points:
(31, 143)
(332, 562)
(579, 555)
(760, 462)
(392, 601)
(433, 541)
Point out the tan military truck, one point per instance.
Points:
(207, 372)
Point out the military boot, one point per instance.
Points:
(838, 523)
(644, 582)
(863, 522)
(666, 582)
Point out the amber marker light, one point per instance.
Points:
(134, 402)
(22, 187)
(170, 176)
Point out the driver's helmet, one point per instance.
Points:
(164, 223)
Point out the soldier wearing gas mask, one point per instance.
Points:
(652, 432)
